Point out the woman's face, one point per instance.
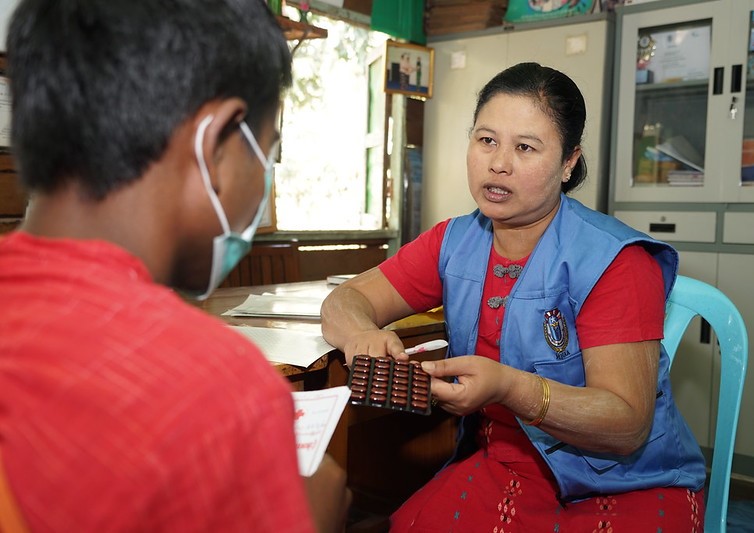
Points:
(514, 162)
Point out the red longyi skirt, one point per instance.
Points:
(483, 495)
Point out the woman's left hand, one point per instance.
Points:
(612, 414)
(478, 382)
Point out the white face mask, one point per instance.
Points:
(230, 247)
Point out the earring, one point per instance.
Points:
(567, 175)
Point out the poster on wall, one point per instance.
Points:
(409, 69)
(680, 54)
(535, 10)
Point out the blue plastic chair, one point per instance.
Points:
(689, 298)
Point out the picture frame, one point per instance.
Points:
(268, 222)
(5, 107)
(409, 69)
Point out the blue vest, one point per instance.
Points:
(538, 335)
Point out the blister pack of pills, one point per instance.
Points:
(385, 382)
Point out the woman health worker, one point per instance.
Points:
(554, 315)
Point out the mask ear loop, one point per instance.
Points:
(267, 162)
(204, 171)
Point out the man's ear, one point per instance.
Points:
(225, 116)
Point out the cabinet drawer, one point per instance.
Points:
(738, 228)
(689, 226)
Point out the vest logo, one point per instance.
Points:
(556, 330)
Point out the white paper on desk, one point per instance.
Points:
(290, 346)
(276, 305)
(317, 414)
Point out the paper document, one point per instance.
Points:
(681, 150)
(317, 414)
(5, 112)
(275, 305)
(290, 346)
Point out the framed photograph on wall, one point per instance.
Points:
(409, 69)
(268, 222)
(5, 107)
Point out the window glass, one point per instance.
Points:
(320, 183)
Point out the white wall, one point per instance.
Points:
(448, 113)
(6, 10)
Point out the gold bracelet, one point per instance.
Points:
(545, 403)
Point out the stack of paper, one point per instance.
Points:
(680, 149)
(686, 178)
(287, 346)
(276, 305)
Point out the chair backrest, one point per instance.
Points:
(689, 298)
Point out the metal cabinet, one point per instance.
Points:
(684, 103)
(682, 169)
(696, 371)
(579, 46)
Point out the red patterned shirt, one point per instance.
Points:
(604, 318)
(632, 277)
(506, 485)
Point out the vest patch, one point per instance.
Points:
(555, 330)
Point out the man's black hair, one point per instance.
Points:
(99, 86)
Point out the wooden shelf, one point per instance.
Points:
(298, 31)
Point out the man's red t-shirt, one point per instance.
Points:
(122, 408)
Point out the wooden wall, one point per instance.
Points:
(12, 196)
(300, 260)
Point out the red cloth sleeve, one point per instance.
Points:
(413, 269)
(627, 304)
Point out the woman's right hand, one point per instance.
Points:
(375, 343)
(354, 313)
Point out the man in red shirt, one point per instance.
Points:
(145, 133)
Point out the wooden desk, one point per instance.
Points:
(387, 455)
(412, 330)
(224, 299)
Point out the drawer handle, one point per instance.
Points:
(658, 227)
(717, 84)
(735, 78)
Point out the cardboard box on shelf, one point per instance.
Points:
(456, 16)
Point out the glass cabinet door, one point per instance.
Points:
(670, 83)
(738, 185)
